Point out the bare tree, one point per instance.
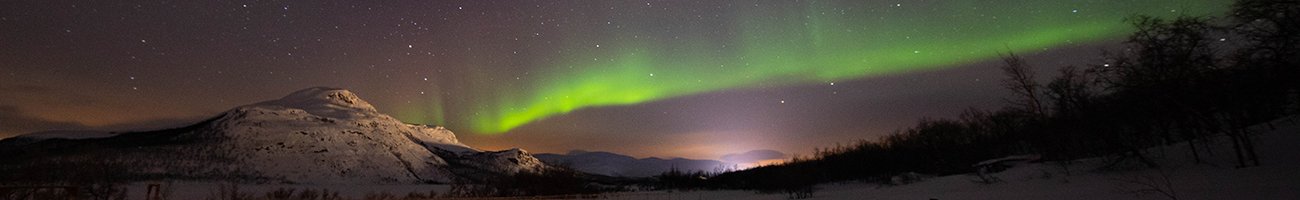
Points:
(1273, 29)
(1020, 80)
(1069, 92)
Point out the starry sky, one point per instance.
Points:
(695, 79)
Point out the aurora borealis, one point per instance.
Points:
(808, 42)
(663, 78)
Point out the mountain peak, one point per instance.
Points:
(323, 101)
(314, 135)
(326, 95)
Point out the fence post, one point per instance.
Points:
(154, 193)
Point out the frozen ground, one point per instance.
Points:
(206, 190)
(1277, 178)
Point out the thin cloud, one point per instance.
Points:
(14, 122)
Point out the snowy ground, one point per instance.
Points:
(1277, 178)
(207, 190)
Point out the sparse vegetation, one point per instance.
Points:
(232, 192)
(554, 181)
(1145, 184)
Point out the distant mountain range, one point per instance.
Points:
(611, 164)
(316, 135)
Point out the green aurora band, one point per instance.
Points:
(811, 43)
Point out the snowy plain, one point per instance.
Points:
(1278, 177)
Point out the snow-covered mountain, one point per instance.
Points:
(316, 135)
(611, 164)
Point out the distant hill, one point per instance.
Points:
(612, 164)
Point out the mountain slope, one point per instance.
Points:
(316, 135)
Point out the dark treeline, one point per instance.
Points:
(1177, 81)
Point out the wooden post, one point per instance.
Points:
(155, 192)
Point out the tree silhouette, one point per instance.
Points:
(1020, 80)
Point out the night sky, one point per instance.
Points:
(696, 79)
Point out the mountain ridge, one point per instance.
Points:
(614, 164)
(314, 135)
